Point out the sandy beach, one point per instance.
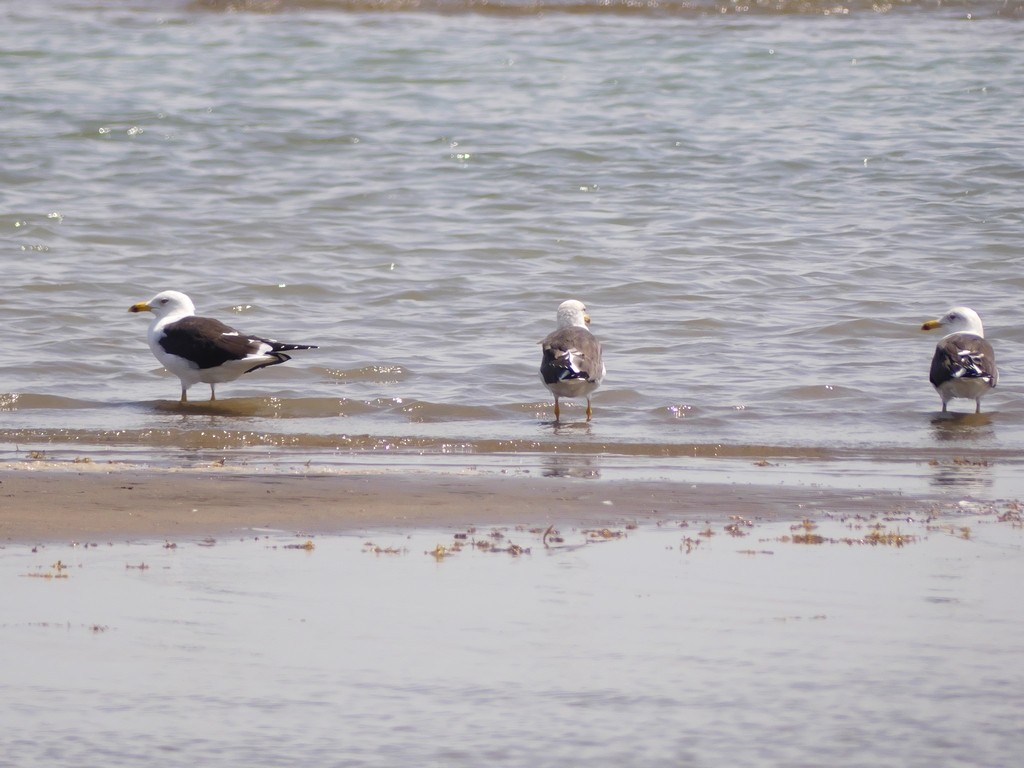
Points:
(50, 504)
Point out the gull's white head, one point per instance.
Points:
(166, 304)
(957, 320)
(572, 313)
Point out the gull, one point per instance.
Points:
(964, 364)
(202, 349)
(571, 364)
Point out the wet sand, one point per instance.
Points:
(38, 505)
(849, 642)
(444, 625)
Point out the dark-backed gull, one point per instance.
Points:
(201, 349)
(571, 365)
(964, 364)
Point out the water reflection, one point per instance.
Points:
(569, 465)
(962, 426)
(963, 472)
(967, 471)
(571, 428)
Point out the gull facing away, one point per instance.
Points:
(201, 349)
(571, 364)
(964, 364)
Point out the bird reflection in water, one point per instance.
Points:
(973, 467)
(561, 465)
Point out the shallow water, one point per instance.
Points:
(656, 645)
(759, 209)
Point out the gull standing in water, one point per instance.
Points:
(571, 364)
(964, 364)
(201, 349)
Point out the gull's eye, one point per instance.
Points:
(164, 301)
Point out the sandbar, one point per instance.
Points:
(133, 504)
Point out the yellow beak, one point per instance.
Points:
(140, 307)
(586, 319)
(931, 325)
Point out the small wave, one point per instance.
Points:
(15, 401)
(817, 392)
(416, 411)
(427, 412)
(270, 407)
(379, 374)
(654, 8)
(189, 439)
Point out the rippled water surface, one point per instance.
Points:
(655, 646)
(758, 206)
